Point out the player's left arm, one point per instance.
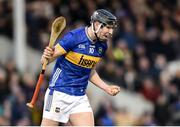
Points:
(96, 80)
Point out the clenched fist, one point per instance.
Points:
(47, 54)
(113, 90)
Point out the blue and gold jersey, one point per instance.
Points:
(72, 70)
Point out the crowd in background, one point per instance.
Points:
(144, 45)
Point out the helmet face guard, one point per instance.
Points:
(104, 17)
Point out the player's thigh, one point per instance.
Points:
(48, 122)
(82, 119)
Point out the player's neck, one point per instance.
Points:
(91, 34)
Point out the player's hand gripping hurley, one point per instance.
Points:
(57, 27)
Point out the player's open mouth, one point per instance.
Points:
(106, 36)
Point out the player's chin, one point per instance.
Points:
(104, 39)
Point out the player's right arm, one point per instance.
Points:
(51, 54)
(63, 46)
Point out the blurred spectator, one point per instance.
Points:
(162, 111)
(147, 119)
(6, 18)
(176, 79)
(150, 90)
(104, 115)
(4, 90)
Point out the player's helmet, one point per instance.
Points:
(104, 17)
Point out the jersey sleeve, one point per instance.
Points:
(67, 42)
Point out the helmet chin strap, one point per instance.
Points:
(93, 29)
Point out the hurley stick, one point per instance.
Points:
(57, 27)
